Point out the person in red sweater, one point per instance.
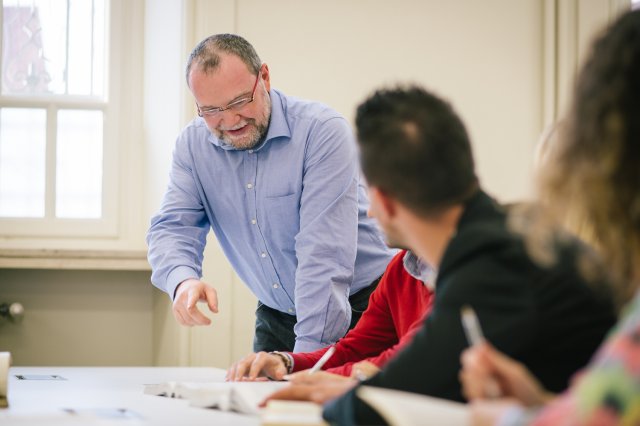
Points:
(396, 310)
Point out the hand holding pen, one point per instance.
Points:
(315, 385)
(323, 360)
(471, 326)
(314, 375)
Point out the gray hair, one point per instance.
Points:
(206, 55)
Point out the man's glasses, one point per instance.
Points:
(235, 105)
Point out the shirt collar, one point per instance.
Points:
(419, 269)
(278, 125)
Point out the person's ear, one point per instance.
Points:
(266, 77)
(389, 204)
(383, 207)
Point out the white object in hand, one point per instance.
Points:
(318, 365)
(471, 325)
(475, 336)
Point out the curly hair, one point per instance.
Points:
(593, 172)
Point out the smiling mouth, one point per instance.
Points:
(237, 131)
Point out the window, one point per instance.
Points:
(58, 157)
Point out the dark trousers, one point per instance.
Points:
(274, 329)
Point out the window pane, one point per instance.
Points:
(79, 164)
(53, 47)
(83, 47)
(22, 162)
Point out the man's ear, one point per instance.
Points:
(385, 205)
(264, 70)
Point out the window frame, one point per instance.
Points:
(124, 39)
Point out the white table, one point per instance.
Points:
(88, 390)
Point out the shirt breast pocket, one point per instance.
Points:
(283, 212)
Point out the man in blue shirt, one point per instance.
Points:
(277, 180)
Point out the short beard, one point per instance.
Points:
(257, 134)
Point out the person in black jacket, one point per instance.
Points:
(424, 192)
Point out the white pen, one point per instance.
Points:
(472, 329)
(318, 365)
(471, 325)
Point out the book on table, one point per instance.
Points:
(407, 409)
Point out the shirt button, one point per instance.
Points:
(250, 151)
(290, 310)
(253, 221)
(249, 185)
(275, 285)
(263, 254)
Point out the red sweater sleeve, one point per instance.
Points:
(387, 354)
(396, 306)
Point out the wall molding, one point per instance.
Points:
(569, 27)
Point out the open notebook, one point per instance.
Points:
(408, 409)
(241, 397)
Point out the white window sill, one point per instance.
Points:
(74, 259)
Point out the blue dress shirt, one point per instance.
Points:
(290, 215)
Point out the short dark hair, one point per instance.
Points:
(415, 148)
(206, 54)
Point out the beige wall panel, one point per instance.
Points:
(170, 339)
(211, 345)
(486, 57)
(243, 319)
(78, 317)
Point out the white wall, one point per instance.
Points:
(485, 57)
